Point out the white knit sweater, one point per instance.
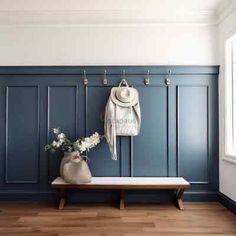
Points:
(120, 121)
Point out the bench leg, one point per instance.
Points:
(61, 203)
(179, 202)
(62, 198)
(122, 199)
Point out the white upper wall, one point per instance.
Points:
(108, 45)
(227, 28)
(108, 32)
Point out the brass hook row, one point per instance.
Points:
(146, 78)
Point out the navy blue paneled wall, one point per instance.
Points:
(179, 132)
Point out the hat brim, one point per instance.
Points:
(133, 102)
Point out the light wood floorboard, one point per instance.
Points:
(44, 219)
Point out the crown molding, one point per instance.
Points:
(225, 9)
(69, 17)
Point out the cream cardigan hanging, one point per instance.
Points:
(122, 115)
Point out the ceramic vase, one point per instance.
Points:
(74, 169)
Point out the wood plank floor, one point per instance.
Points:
(106, 220)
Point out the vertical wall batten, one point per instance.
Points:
(168, 131)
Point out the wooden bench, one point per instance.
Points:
(125, 183)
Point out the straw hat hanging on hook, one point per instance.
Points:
(122, 115)
(124, 96)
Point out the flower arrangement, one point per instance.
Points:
(61, 142)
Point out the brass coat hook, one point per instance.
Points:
(146, 79)
(124, 81)
(167, 79)
(85, 80)
(105, 81)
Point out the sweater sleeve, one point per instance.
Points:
(138, 115)
(110, 129)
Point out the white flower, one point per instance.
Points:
(61, 136)
(54, 143)
(56, 130)
(76, 144)
(61, 141)
(58, 144)
(80, 145)
(83, 146)
(89, 142)
(95, 139)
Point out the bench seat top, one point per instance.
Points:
(126, 182)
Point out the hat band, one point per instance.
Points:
(121, 100)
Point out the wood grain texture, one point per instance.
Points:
(106, 220)
(126, 183)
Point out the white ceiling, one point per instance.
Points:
(110, 11)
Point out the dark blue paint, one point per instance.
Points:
(22, 134)
(62, 112)
(227, 202)
(192, 132)
(99, 162)
(150, 146)
(179, 133)
(107, 196)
